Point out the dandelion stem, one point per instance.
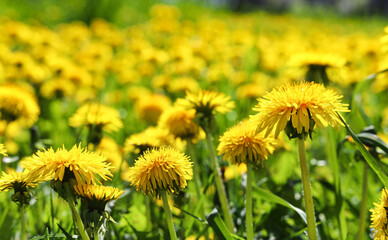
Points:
(95, 234)
(197, 179)
(363, 210)
(308, 197)
(169, 217)
(219, 184)
(248, 202)
(77, 218)
(23, 232)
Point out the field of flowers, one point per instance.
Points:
(190, 123)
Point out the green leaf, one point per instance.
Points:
(220, 230)
(366, 154)
(371, 139)
(67, 235)
(269, 196)
(48, 236)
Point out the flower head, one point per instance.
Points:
(97, 115)
(150, 138)
(241, 144)
(20, 182)
(3, 150)
(379, 217)
(298, 106)
(63, 165)
(162, 169)
(180, 123)
(97, 196)
(206, 103)
(18, 105)
(149, 107)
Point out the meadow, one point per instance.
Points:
(166, 122)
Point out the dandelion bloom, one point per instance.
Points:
(3, 150)
(97, 196)
(241, 144)
(18, 105)
(180, 122)
(149, 107)
(162, 169)
(379, 217)
(150, 138)
(207, 102)
(20, 182)
(298, 106)
(63, 165)
(98, 115)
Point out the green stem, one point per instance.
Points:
(248, 203)
(77, 218)
(169, 217)
(197, 181)
(363, 210)
(148, 212)
(197, 178)
(23, 233)
(308, 197)
(52, 214)
(219, 184)
(95, 234)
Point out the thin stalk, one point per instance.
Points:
(52, 215)
(363, 210)
(308, 197)
(77, 218)
(23, 233)
(169, 217)
(248, 202)
(197, 180)
(148, 212)
(95, 234)
(219, 184)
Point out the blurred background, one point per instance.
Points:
(127, 11)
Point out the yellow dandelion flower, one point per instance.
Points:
(241, 144)
(97, 115)
(298, 106)
(97, 196)
(149, 107)
(163, 169)
(63, 165)
(150, 138)
(57, 88)
(113, 153)
(180, 123)
(207, 102)
(18, 105)
(379, 217)
(3, 150)
(20, 182)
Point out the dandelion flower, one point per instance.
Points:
(150, 138)
(379, 217)
(97, 115)
(207, 102)
(163, 169)
(97, 196)
(297, 108)
(3, 150)
(149, 107)
(63, 165)
(180, 123)
(18, 105)
(241, 144)
(20, 182)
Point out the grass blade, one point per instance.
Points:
(366, 154)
